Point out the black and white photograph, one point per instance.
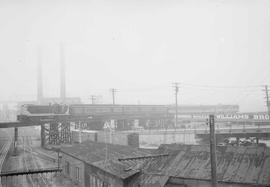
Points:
(134, 93)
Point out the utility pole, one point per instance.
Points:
(267, 98)
(213, 156)
(113, 90)
(93, 98)
(176, 89)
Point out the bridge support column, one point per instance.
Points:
(42, 135)
(257, 140)
(237, 141)
(65, 133)
(15, 151)
(54, 134)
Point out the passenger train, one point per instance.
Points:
(45, 112)
(88, 110)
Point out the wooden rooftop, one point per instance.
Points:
(240, 165)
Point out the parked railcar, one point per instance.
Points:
(145, 109)
(93, 110)
(85, 110)
(40, 110)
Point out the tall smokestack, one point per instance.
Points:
(62, 73)
(39, 76)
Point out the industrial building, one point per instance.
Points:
(189, 166)
(95, 164)
(98, 164)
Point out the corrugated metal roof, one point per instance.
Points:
(148, 180)
(247, 165)
(95, 154)
(90, 151)
(116, 168)
(234, 164)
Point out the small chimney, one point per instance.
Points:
(62, 73)
(39, 76)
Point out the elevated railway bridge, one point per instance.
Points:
(56, 120)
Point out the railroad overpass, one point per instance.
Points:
(55, 127)
(55, 123)
(221, 132)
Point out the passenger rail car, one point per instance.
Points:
(93, 110)
(100, 110)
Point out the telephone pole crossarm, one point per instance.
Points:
(266, 90)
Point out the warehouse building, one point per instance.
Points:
(189, 166)
(96, 164)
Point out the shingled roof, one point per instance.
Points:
(246, 165)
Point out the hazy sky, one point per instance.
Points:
(218, 50)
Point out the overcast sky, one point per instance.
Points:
(218, 50)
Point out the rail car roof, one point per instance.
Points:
(99, 105)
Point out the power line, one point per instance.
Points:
(222, 87)
(186, 85)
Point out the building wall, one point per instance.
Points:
(129, 139)
(83, 135)
(100, 177)
(76, 169)
(114, 138)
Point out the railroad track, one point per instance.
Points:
(3, 153)
(41, 155)
(31, 161)
(25, 165)
(42, 180)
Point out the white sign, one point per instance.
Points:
(258, 117)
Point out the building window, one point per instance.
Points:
(97, 182)
(105, 184)
(176, 185)
(77, 174)
(67, 168)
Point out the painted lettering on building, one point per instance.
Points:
(255, 117)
